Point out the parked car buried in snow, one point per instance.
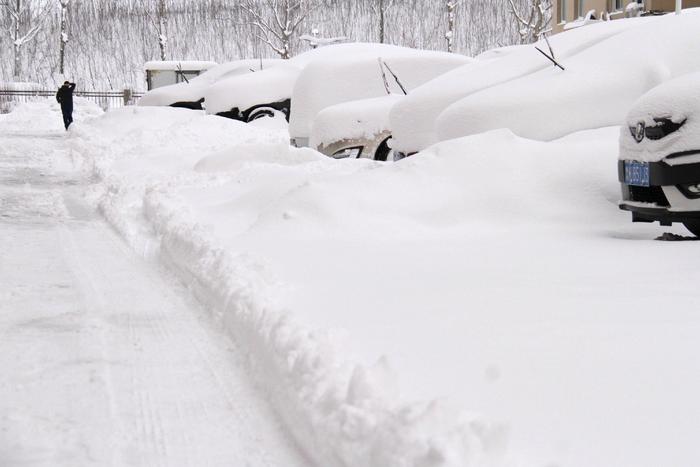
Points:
(659, 165)
(189, 93)
(367, 77)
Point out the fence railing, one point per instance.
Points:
(105, 99)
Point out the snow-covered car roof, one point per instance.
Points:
(672, 107)
(596, 90)
(269, 86)
(195, 89)
(338, 79)
(174, 65)
(364, 118)
(245, 91)
(413, 119)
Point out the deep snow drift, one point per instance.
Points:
(492, 270)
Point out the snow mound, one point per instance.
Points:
(339, 79)
(413, 120)
(677, 100)
(45, 113)
(357, 119)
(596, 90)
(196, 88)
(242, 92)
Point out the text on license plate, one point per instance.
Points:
(637, 173)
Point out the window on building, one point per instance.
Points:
(562, 8)
(615, 5)
(580, 11)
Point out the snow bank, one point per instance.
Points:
(45, 113)
(339, 79)
(173, 65)
(596, 90)
(413, 120)
(276, 85)
(677, 100)
(342, 413)
(196, 88)
(364, 118)
(242, 92)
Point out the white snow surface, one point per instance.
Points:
(338, 79)
(196, 88)
(596, 90)
(413, 120)
(677, 100)
(483, 303)
(364, 118)
(173, 65)
(263, 87)
(106, 359)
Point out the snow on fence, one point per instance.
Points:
(105, 99)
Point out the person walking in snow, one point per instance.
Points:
(64, 96)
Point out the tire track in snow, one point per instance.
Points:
(166, 387)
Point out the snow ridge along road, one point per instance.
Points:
(105, 359)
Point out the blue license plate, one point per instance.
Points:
(637, 173)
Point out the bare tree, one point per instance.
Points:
(451, 14)
(380, 7)
(538, 20)
(64, 36)
(277, 21)
(160, 26)
(26, 19)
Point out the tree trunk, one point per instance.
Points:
(450, 35)
(381, 21)
(162, 29)
(17, 43)
(64, 38)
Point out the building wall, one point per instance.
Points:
(574, 9)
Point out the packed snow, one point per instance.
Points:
(596, 90)
(677, 100)
(365, 118)
(339, 79)
(413, 121)
(397, 315)
(482, 303)
(195, 89)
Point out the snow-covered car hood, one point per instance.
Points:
(337, 79)
(676, 102)
(364, 118)
(245, 91)
(597, 88)
(413, 120)
(195, 89)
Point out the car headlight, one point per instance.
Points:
(691, 190)
(348, 153)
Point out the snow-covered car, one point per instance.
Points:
(373, 74)
(357, 129)
(413, 121)
(190, 94)
(269, 92)
(659, 165)
(596, 89)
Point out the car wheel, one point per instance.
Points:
(261, 113)
(693, 226)
(383, 151)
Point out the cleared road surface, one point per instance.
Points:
(105, 360)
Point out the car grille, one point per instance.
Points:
(650, 194)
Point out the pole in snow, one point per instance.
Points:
(679, 6)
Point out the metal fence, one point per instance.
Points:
(105, 99)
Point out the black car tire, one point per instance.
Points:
(693, 226)
(261, 113)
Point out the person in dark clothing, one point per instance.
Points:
(64, 96)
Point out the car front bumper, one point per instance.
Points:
(665, 200)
